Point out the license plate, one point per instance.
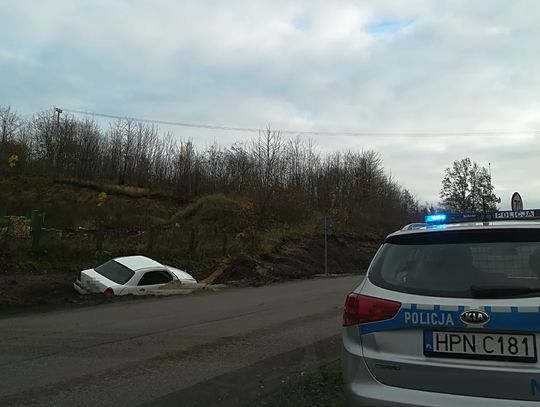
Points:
(480, 345)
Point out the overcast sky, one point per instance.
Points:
(361, 66)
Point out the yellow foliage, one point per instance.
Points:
(240, 236)
(12, 160)
(19, 227)
(102, 197)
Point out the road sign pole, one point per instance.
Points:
(325, 243)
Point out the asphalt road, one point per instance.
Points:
(222, 348)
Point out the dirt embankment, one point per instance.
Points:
(292, 259)
(302, 258)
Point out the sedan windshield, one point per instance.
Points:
(448, 264)
(114, 271)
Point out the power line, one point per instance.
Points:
(165, 122)
(310, 133)
(24, 117)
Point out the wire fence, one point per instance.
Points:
(190, 241)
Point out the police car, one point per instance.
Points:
(448, 315)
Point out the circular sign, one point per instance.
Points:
(517, 202)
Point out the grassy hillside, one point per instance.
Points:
(214, 232)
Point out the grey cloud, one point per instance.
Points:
(443, 66)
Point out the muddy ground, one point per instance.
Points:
(31, 290)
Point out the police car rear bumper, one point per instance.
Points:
(362, 389)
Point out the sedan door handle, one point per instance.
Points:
(142, 289)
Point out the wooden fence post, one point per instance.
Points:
(99, 236)
(224, 242)
(151, 238)
(36, 224)
(192, 242)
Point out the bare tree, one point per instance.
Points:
(8, 123)
(284, 179)
(267, 152)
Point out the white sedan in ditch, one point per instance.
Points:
(137, 275)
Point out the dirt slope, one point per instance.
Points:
(302, 258)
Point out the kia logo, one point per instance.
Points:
(474, 317)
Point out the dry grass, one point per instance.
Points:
(125, 190)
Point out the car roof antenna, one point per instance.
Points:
(485, 220)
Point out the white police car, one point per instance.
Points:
(448, 315)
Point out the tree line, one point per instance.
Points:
(284, 179)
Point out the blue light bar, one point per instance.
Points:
(528, 214)
(440, 217)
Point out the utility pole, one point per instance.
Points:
(58, 112)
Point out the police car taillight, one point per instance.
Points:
(360, 309)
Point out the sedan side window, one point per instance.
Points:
(155, 277)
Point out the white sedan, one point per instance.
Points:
(137, 275)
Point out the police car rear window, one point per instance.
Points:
(451, 263)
